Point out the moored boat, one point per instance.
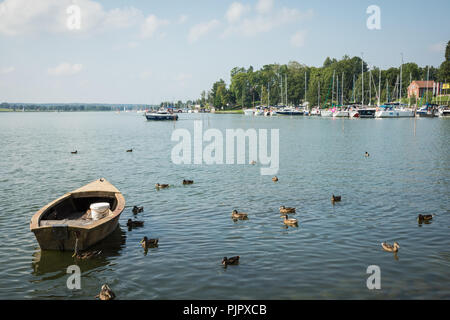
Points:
(161, 115)
(390, 111)
(79, 218)
(444, 111)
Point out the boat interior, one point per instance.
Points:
(74, 210)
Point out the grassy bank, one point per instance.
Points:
(238, 111)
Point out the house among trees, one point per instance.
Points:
(418, 88)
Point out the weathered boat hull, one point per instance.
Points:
(62, 232)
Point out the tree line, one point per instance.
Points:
(295, 83)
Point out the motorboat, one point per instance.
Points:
(161, 115)
(393, 111)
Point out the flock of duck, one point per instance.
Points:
(107, 294)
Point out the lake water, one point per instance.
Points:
(326, 257)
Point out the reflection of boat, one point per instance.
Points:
(69, 219)
(46, 261)
(161, 115)
(248, 112)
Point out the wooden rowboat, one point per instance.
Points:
(66, 221)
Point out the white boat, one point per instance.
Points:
(341, 113)
(259, 112)
(289, 111)
(390, 111)
(444, 111)
(326, 113)
(249, 112)
(315, 112)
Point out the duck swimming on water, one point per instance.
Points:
(424, 217)
(188, 181)
(135, 223)
(275, 179)
(335, 198)
(74, 152)
(290, 221)
(367, 154)
(230, 261)
(130, 150)
(239, 215)
(285, 210)
(149, 243)
(137, 209)
(106, 293)
(161, 186)
(390, 248)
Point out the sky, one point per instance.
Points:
(145, 52)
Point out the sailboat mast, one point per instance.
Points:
(342, 91)
(362, 78)
(332, 91)
(379, 88)
(285, 88)
(428, 77)
(401, 79)
(370, 87)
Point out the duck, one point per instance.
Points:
(275, 179)
(74, 152)
(290, 221)
(284, 210)
(135, 223)
(253, 162)
(161, 186)
(106, 293)
(137, 209)
(188, 181)
(239, 215)
(149, 243)
(130, 150)
(367, 154)
(335, 198)
(424, 218)
(230, 261)
(86, 255)
(390, 248)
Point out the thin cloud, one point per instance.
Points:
(298, 38)
(151, 25)
(65, 69)
(235, 11)
(438, 47)
(201, 29)
(264, 6)
(7, 70)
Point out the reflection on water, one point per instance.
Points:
(56, 262)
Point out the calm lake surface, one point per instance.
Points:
(326, 257)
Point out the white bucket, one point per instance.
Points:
(99, 210)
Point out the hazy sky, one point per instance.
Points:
(148, 51)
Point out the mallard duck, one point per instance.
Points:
(275, 179)
(137, 209)
(284, 210)
(390, 248)
(106, 293)
(130, 150)
(188, 181)
(290, 221)
(367, 154)
(161, 186)
(74, 152)
(135, 224)
(230, 261)
(149, 243)
(424, 218)
(239, 215)
(86, 255)
(335, 198)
